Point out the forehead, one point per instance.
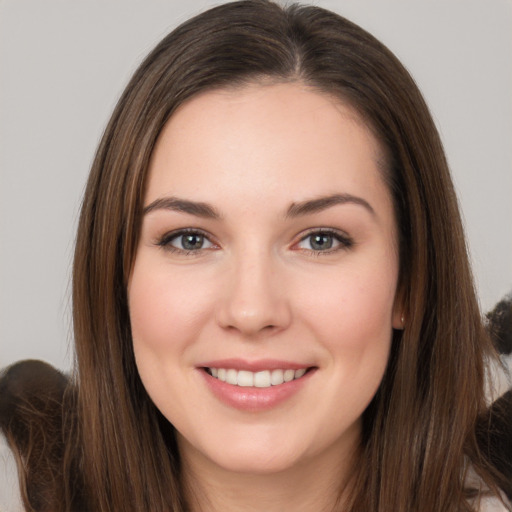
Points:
(275, 140)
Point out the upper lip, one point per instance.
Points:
(256, 365)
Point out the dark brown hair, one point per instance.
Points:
(419, 433)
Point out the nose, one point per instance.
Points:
(255, 297)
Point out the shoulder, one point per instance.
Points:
(10, 498)
(495, 504)
(31, 404)
(27, 379)
(31, 420)
(484, 500)
(499, 326)
(495, 428)
(26, 387)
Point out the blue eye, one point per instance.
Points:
(324, 241)
(185, 241)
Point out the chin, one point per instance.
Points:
(256, 463)
(247, 454)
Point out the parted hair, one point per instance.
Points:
(421, 431)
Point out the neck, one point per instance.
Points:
(318, 484)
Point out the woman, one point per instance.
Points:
(316, 353)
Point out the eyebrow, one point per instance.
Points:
(322, 203)
(182, 205)
(299, 209)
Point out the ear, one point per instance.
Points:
(398, 319)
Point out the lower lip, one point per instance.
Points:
(252, 398)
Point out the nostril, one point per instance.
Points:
(254, 314)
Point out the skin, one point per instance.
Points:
(256, 289)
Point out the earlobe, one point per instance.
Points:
(399, 320)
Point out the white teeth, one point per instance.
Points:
(300, 373)
(231, 377)
(262, 379)
(245, 379)
(277, 377)
(289, 375)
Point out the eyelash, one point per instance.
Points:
(165, 241)
(344, 241)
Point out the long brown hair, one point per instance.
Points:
(419, 434)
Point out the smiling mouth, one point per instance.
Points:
(261, 379)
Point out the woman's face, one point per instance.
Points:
(268, 252)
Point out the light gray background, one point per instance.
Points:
(64, 63)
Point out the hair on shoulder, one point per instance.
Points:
(36, 411)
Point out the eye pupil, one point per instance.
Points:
(321, 241)
(192, 241)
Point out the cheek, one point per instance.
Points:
(166, 315)
(353, 308)
(351, 316)
(166, 308)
